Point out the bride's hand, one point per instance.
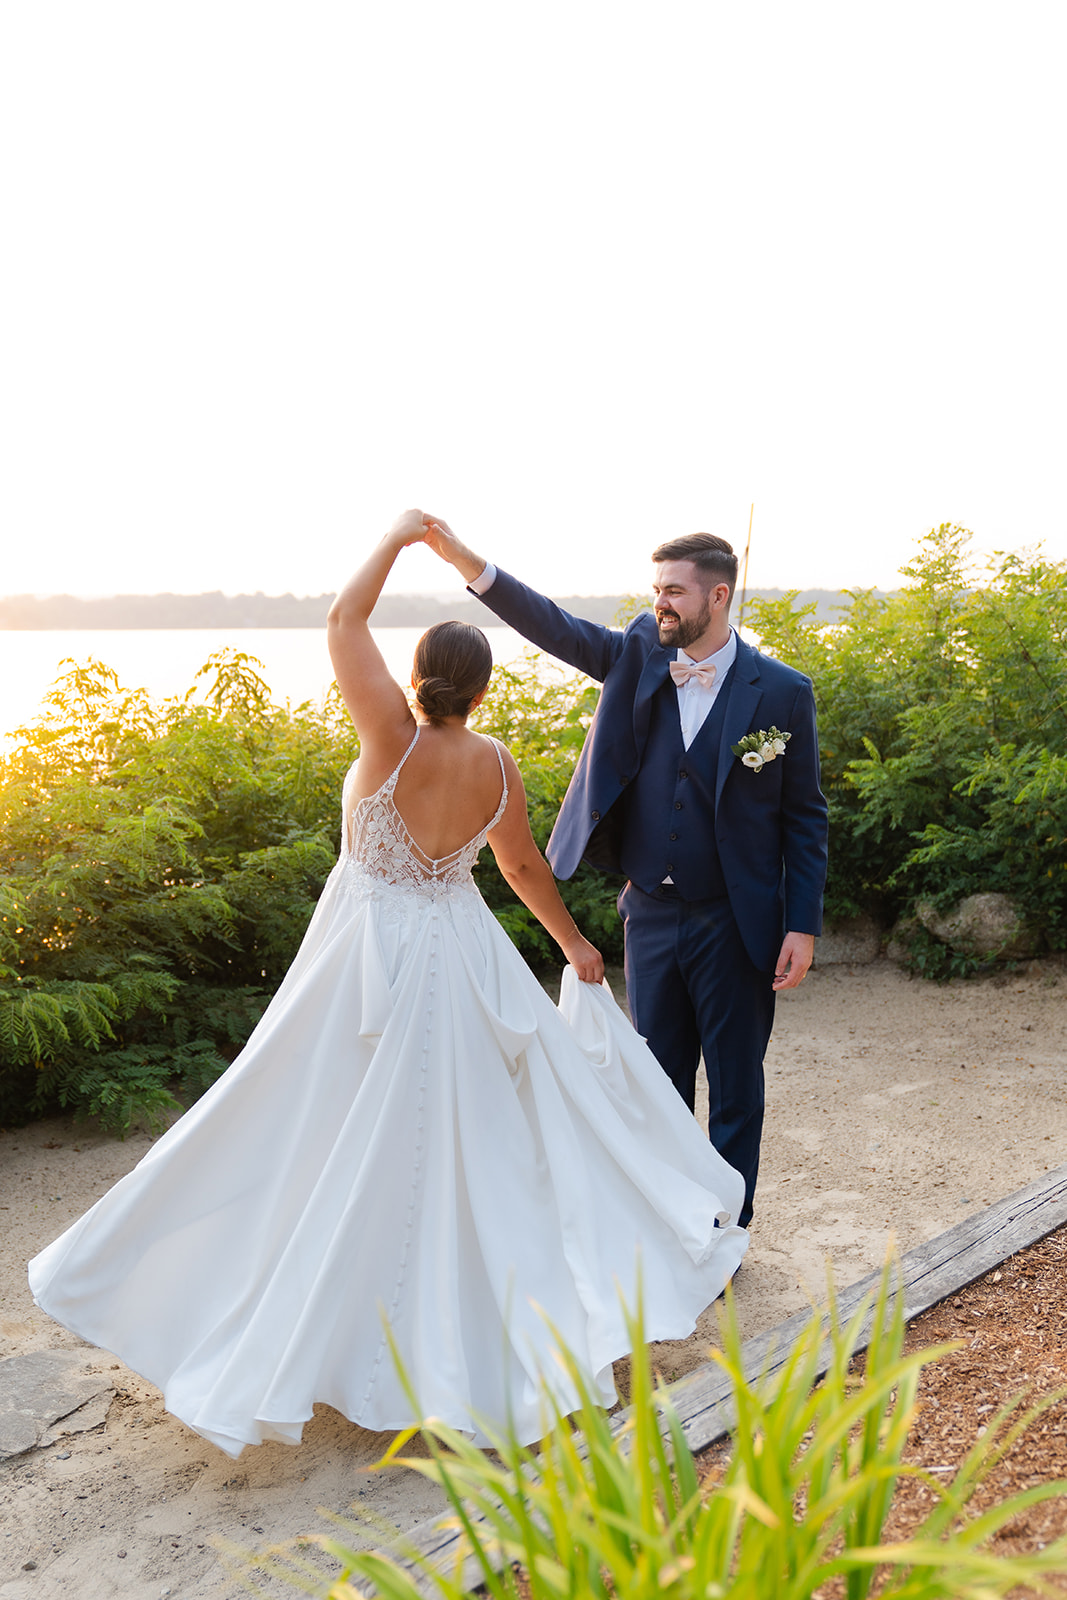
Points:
(585, 958)
(408, 528)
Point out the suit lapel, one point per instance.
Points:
(745, 696)
(654, 673)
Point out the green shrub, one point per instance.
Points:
(943, 733)
(159, 864)
(607, 1513)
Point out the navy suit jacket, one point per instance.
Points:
(770, 826)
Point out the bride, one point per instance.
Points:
(414, 1139)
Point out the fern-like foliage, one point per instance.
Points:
(158, 866)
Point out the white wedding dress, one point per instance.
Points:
(414, 1133)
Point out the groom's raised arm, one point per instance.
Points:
(589, 646)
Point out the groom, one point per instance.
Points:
(725, 857)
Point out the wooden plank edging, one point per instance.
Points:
(928, 1274)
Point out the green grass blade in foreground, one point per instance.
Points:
(618, 1511)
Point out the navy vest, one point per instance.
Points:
(668, 824)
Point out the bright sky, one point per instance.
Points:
(577, 275)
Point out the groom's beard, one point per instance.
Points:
(682, 633)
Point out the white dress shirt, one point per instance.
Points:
(485, 579)
(694, 701)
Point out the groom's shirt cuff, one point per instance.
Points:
(485, 579)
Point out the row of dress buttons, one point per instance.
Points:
(410, 1217)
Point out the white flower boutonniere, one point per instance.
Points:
(756, 749)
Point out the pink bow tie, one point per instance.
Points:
(681, 672)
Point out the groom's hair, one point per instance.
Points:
(713, 558)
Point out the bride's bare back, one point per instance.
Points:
(448, 790)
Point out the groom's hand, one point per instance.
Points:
(443, 542)
(794, 959)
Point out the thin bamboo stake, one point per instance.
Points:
(744, 573)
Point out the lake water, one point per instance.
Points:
(165, 661)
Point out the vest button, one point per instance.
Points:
(596, 816)
(683, 773)
(674, 836)
(670, 866)
(677, 805)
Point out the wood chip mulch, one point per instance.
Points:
(1012, 1328)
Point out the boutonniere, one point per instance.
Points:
(756, 749)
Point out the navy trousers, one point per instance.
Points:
(693, 991)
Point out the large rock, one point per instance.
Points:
(898, 945)
(851, 942)
(45, 1395)
(986, 926)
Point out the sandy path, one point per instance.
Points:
(895, 1107)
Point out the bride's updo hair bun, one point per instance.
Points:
(452, 665)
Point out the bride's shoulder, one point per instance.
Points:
(500, 749)
(503, 761)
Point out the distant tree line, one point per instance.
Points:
(218, 610)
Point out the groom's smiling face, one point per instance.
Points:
(682, 603)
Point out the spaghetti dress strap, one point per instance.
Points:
(394, 775)
(349, 807)
(499, 812)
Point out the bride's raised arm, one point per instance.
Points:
(375, 701)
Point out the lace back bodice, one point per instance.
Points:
(376, 838)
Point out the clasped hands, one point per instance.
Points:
(420, 526)
(411, 527)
